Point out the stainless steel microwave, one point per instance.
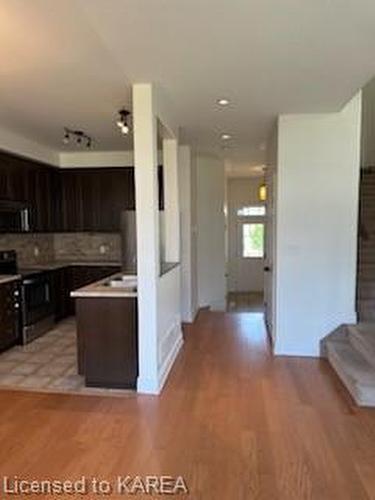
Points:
(14, 217)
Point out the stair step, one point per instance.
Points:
(366, 277)
(366, 310)
(355, 372)
(362, 338)
(366, 289)
(367, 255)
(366, 270)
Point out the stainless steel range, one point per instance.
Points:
(36, 304)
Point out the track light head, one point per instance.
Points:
(66, 137)
(125, 129)
(78, 136)
(122, 121)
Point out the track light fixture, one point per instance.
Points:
(122, 121)
(77, 136)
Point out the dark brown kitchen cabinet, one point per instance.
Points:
(60, 293)
(107, 341)
(35, 185)
(70, 199)
(9, 314)
(93, 198)
(44, 199)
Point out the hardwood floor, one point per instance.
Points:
(235, 422)
(245, 302)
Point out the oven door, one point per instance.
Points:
(36, 299)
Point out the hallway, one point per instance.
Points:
(236, 423)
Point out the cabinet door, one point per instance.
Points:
(44, 195)
(71, 201)
(117, 193)
(9, 319)
(91, 182)
(61, 291)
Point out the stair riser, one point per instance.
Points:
(362, 349)
(366, 316)
(361, 397)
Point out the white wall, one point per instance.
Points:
(188, 236)
(159, 309)
(244, 275)
(211, 232)
(317, 212)
(17, 144)
(194, 235)
(83, 159)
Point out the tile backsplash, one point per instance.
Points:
(87, 246)
(34, 248)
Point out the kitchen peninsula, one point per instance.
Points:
(107, 332)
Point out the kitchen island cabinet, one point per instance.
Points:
(108, 341)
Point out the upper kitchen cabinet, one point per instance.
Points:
(34, 184)
(44, 198)
(70, 199)
(92, 198)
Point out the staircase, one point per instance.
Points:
(350, 349)
(366, 248)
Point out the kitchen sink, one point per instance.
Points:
(127, 282)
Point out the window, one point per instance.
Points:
(252, 211)
(253, 240)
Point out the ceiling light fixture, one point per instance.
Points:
(122, 121)
(66, 137)
(226, 137)
(262, 193)
(78, 136)
(223, 102)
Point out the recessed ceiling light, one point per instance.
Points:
(223, 102)
(226, 137)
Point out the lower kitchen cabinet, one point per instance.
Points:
(108, 341)
(9, 314)
(60, 293)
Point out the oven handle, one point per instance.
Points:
(29, 282)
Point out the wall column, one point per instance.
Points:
(145, 160)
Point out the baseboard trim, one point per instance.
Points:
(147, 386)
(170, 359)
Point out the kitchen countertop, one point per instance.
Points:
(100, 289)
(8, 278)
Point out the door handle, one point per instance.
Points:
(267, 269)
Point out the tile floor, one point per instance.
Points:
(47, 364)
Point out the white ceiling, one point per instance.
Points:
(72, 62)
